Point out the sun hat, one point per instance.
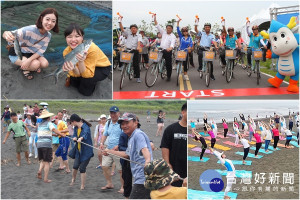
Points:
(45, 114)
(102, 116)
(158, 174)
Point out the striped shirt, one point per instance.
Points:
(45, 134)
(32, 41)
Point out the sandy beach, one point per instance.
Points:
(280, 161)
(21, 183)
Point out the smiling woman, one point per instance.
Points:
(92, 66)
(28, 44)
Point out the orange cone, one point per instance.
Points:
(293, 86)
(275, 81)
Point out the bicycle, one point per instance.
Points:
(230, 56)
(181, 56)
(142, 61)
(241, 57)
(208, 57)
(157, 66)
(257, 55)
(116, 57)
(127, 70)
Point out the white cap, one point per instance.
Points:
(102, 116)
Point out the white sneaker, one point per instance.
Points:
(30, 155)
(36, 156)
(186, 78)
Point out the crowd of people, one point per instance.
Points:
(263, 131)
(117, 139)
(189, 40)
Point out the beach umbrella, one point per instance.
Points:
(43, 104)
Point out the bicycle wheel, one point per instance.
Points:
(207, 73)
(257, 72)
(131, 72)
(164, 69)
(179, 65)
(228, 72)
(151, 75)
(123, 73)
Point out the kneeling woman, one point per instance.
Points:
(33, 41)
(92, 66)
(83, 153)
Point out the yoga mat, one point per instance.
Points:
(220, 135)
(231, 135)
(238, 173)
(198, 149)
(203, 134)
(294, 137)
(252, 142)
(191, 145)
(197, 194)
(197, 159)
(270, 147)
(280, 145)
(294, 143)
(218, 146)
(261, 150)
(232, 144)
(239, 162)
(250, 155)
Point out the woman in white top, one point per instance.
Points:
(267, 135)
(246, 145)
(99, 130)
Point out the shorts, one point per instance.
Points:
(107, 161)
(80, 165)
(13, 59)
(6, 122)
(54, 147)
(21, 144)
(45, 154)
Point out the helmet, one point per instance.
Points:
(254, 27)
(207, 24)
(230, 29)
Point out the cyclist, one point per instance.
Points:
(231, 40)
(206, 39)
(168, 44)
(133, 42)
(121, 42)
(185, 42)
(157, 41)
(145, 45)
(255, 40)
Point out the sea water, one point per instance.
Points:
(229, 109)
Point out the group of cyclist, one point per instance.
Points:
(183, 41)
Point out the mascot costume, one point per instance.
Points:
(285, 47)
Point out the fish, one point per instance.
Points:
(17, 46)
(71, 57)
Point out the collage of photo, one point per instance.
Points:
(150, 99)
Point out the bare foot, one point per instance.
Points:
(72, 182)
(39, 175)
(82, 188)
(121, 191)
(28, 162)
(18, 164)
(47, 181)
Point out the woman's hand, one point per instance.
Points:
(68, 66)
(81, 57)
(8, 36)
(25, 64)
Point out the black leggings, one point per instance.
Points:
(225, 132)
(185, 63)
(246, 151)
(276, 139)
(204, 146)
(258, 145)
(146, 58)
(167, 55)
(213, 142)
(287, 143)
(86, 86)
(127, 177)
(249, 56)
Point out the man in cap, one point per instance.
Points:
(113, 130)
(133, 41)
(174, 146)
(19, 135)
(230, 170)
(159, 177)
(139, 151)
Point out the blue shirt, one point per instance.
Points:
(123, 143)
(137, 141)
(184, 43)
(113, 131)
(45, 134)
(206, 40)
(230, 41)
(255, 41)
(86, 152)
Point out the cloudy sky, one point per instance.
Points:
(235, 12)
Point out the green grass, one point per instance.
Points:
(95, 108)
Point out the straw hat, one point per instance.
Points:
(45, 114)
